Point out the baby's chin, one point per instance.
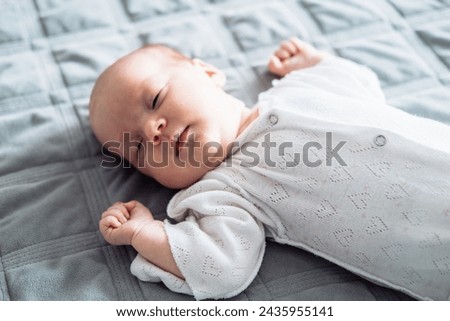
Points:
(174, 179)
(178, 183)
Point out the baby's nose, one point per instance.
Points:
(155, 130)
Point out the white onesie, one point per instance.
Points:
(327, 167)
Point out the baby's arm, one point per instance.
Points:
(218, 243)
(294, 54)
(133, 224)
(345, 76)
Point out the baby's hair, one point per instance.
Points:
(172, 53)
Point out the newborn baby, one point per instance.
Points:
(320, 162)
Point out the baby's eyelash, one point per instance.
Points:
(155, 100)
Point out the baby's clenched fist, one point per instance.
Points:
(294, 54)
(121, 222)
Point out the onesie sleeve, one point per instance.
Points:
(345, 68)
(339, 76)
(216, 241)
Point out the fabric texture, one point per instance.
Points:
(381, 211)
(53, 188)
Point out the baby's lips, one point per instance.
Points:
(184, 134)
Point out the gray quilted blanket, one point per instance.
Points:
(52, 189)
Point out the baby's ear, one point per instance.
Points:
(216, 75)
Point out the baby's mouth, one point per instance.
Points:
(181, 141)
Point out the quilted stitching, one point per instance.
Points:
(52, 190)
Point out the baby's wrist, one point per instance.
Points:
(145, 232)
(320, 56)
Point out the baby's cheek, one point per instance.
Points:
(156, 157)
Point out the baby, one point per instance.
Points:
(321, 163)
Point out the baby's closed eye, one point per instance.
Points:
(155, 100)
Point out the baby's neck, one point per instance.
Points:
(248, 115)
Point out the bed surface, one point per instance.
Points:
(52, 188)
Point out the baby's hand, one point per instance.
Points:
(294, 54)
(122, 221)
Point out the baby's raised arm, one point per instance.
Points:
(334, 74)
(294, 54)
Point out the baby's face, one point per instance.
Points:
(146, 105)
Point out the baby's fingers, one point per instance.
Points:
(119, 215)
(299, 45)
(108, 222)
(131, 205)
(289, 47)
(136, 207)
(121, 207)
(277, 66)
(275, 62)
(282, 54)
